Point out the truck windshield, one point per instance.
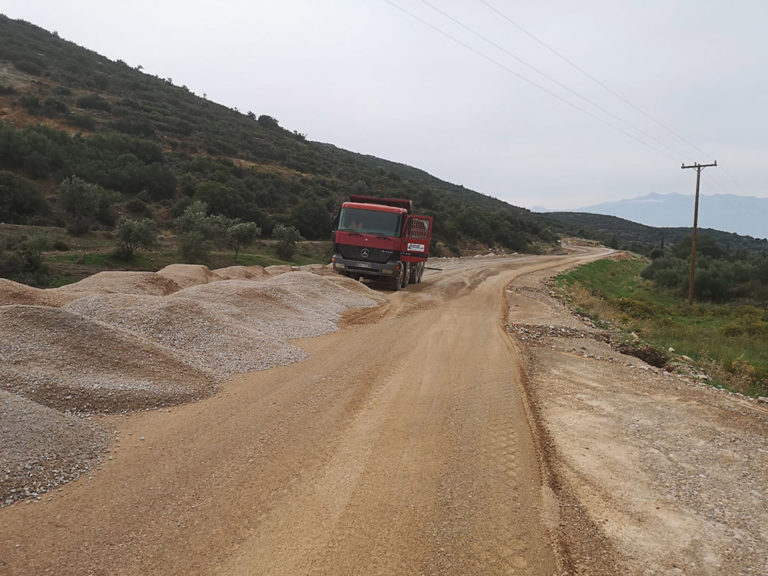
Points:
(369, 222)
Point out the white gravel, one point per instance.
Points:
(117, 342)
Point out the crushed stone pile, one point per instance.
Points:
(212, 336)
(14, 293)
(121, 283)
(185, 275)
(43, 448)
(230, 326)
(123, 341)
(72, 363)
(241, 273)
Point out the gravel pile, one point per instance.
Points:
(241, 273)
(42, 448)
(15, 293)
(122, 341)
(536, 332)
(185, 275)
(206, 335)
(69, 362)
(121, 283)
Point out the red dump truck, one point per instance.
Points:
(380, 239)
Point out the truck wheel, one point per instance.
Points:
(406, 274)
(413, 277)
(420, 272)
(396, 282)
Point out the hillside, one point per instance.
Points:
(65, 110)
(639, 237)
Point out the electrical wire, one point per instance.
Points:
(554, 80)
(591, 77)
(611, 91)
(529, 81)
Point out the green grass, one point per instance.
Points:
(730, 341)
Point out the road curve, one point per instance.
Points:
(400, 446)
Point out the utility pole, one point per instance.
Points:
(699, 168)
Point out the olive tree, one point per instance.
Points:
(199, 232)
(134, 234)
(242, 234)
(287, 237)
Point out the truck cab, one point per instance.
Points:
(379, 238)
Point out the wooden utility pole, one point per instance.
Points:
(699, 168)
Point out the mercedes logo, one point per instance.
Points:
(364, 253)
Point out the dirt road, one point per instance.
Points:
(423, 438)
(402, 445)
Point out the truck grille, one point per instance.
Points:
(374, 254)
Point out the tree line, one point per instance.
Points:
(722, 275)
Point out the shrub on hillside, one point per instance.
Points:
(312, 219)
(719, 277)
(83, 203)
(94, 102)
(29, 67)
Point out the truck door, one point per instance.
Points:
(418, 232)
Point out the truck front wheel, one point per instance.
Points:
(396, 282)
(406, 273)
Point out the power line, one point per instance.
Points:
(529, 81)
(591, 77)
(610, 90)
(552, 79)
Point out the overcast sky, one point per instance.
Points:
(448, 85)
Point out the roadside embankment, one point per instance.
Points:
(669, 472)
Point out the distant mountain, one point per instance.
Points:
(625, 234)
(746, 215)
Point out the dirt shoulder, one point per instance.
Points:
(669, 472)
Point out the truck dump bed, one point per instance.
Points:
(395, 202)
